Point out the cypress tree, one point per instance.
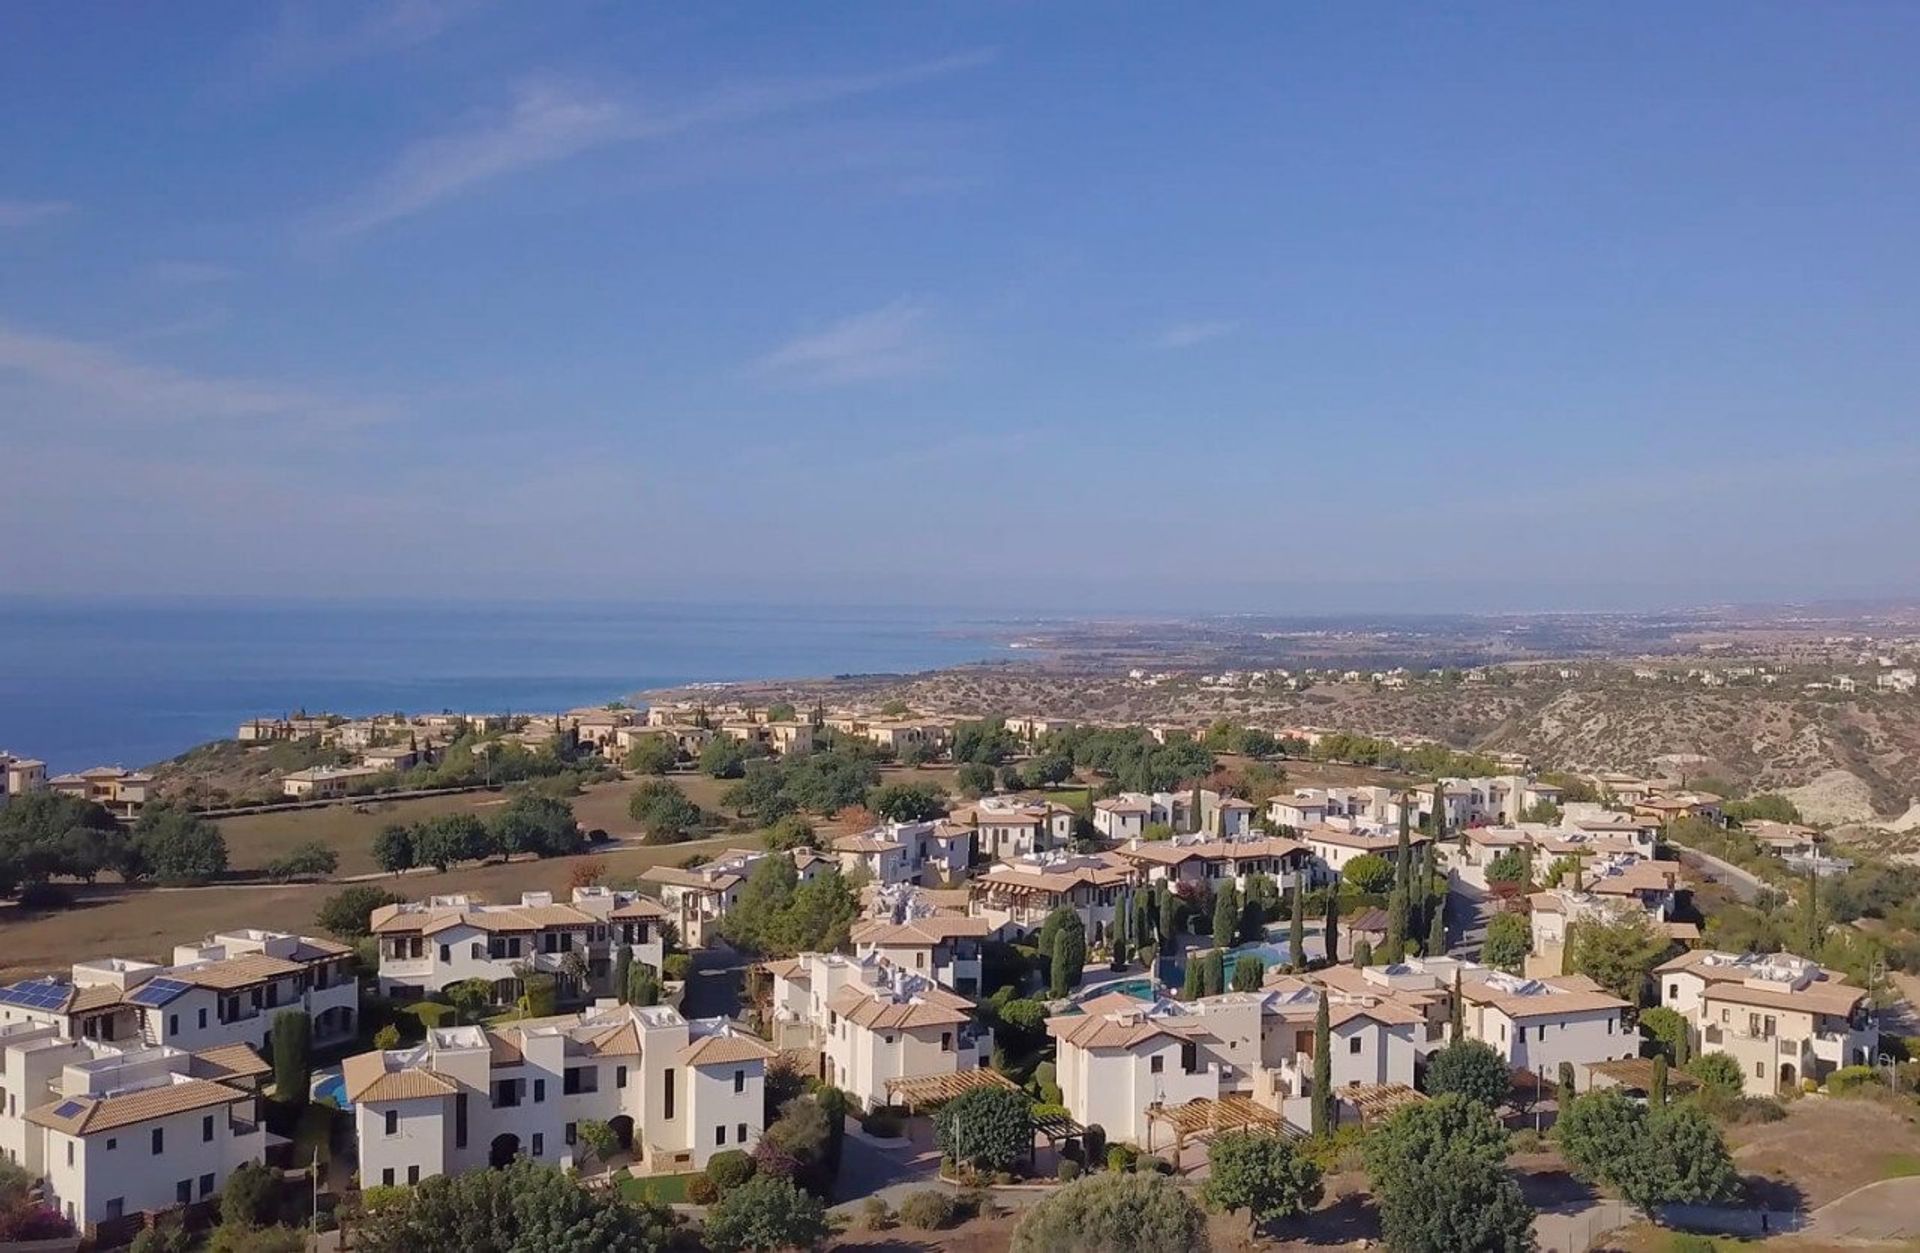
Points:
(1437, 934)
(292, 1068)
(1226, 914)
(1121, 917)
(1297, 932)
(622, 972)
(1332, 937)
(1069, 955)
(1192, 984)
(1395, 946)
(1657, 1090)
(1198, 825)
(1322, 1070)
(1142, 921)
(1401, 903)
(1362, 953)
(1216, 972)
(1565, 1095)
(1169, 918)
(1457, 1028)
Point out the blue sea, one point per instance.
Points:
(133, 683)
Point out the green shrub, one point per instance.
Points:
(701, 1189)
(1686, 1242)
(1155, 1163)
(1068, 1171)
(728, 1170)
(928, 1210)
(1050, 1111)
(885, 1123)
(1121, 1157)
(677, 967)
(875, 1215)
(1849, 1079)
(430, 1014)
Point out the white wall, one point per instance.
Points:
(142, 1179)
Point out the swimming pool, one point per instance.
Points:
(331, 1089)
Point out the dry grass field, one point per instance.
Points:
(110, 918)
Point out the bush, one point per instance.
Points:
(1687, 1242)
(1153, 1163)
(1068, 1171)
(884, 1123)
(1718, 1070)
(728, 1170)
(701, 1189)
(251, 1196)
(431, 1014)
(677, 966)
(875, 1215)
(994, 1125)
(1120, 1157)
(1114, 1214)
(766, 1213)
(1850, 1079)
(928, 1210)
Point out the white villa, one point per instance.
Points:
(1017, 895)
(905, 852)
(873, 1023)
(431, 945)
(224, 990)
(674, 1092)
(1006, 826)
(698, 897)
(1783, 1018)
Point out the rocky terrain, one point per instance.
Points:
(1841, 757)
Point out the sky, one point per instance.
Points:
(1222, 307)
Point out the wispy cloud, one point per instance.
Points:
(29, 212)
(889, 342)
(188, 273)
(547, 122)
(308, 41)
(1187, 334)
(138, 393)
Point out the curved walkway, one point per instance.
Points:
(1885, 1211)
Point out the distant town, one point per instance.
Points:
(1002, 953)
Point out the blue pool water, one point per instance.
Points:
(333, 1089)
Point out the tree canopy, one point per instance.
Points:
(1653, 1156)
(524, 1208)
(1509, 939)
(1113, 1213)
(1368, 872)
(989, 1127)
(766, 1213)
(1262, 1173)
(1619, 955)
(1470, 1069)
(1437, 1173)
(778, 915)
(663, 811)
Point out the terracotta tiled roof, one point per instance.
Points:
(1168, 853)
(1818, 997)
(921, 932)
(368, 1079)
(714, 1050)
(690, 878)
(639, 907)
(1121, 1029)
(89, 1114)
(931, 1006)
(238, 972)
(229, 1061)
(505, 1048)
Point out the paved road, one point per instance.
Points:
(1468, 909)
(1743, 884)
(1888, 1210)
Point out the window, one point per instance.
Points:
(460, 1120)
(539, 1144)
(539, 1090)
(446, 953)
(183, 1192)
(720, 1135)
(1759, 1070)
(393, 1121)
(479, 950)
(413, 1175)
(889, 1039)
(580, 1079)
(70, 1151)
(1673, 991)
(112, 1143)
(1353, 1045)
(206, 1128)
(116, 1207)
(619, 1076)
(206, 1185)
(159, 1141)
(946, 1041)
(173, 1024)
(666, 1099)
(1158, 1065)
(739, 1081)
(386, 1177)
(573, 1133)
(740, 1133)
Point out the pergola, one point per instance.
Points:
(1379, 1100)
(927, 1092)
(1201, 1118)
(1635, 1074)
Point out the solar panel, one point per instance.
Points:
(68, 1109)
(36, 994)
(157, 992)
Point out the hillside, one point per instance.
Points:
(1844, 758)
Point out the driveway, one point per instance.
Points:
(1888, 1210)
(714, 983)
(1741, 883)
